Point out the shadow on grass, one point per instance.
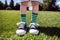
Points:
(51, 31)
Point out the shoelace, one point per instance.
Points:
(21, 25)
(33, 26)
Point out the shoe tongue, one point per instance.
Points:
(21, 25)
(32, 26)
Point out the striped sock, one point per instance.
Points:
(34, 17)
(23, 17)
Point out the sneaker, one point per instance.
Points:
(33, 28)
(22, 29)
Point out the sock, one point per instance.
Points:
(23, 17)
(34, 17)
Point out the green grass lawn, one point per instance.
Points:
(49, 25)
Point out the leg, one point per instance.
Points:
(35, 4)
(34, 11)
(33, 26)
(23, 11)
(22, 26)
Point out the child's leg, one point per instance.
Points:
(33, 26)
(34, 11)
(22, 26)
(23, 9)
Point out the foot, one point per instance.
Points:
(22, 29)
(33, 28)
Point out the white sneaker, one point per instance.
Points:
(34, 28)
(22, 29)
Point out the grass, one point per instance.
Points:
(49, 25)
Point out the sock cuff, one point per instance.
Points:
(34, 13)
(23, 15)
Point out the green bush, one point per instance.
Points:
(45, 5)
